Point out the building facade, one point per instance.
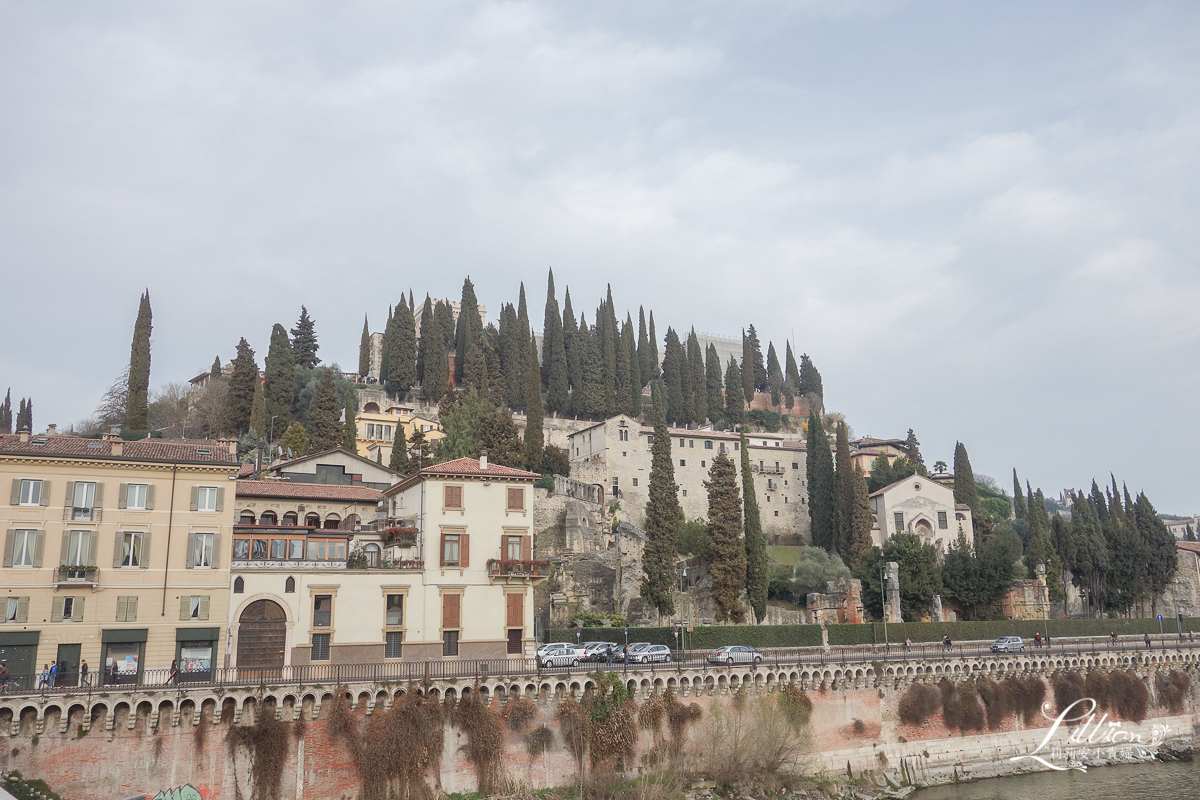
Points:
(337, 468)
(377, 428)
(115, 553)
(922, 506)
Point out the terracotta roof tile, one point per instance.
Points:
(201, 451)
(307, 491)
(470, 466)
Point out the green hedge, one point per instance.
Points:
(713, 636)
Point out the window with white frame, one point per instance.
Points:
(206, 498)
(77, 548)
(202, 550)
(24, 544)
(31, 493)
(84, 501)
(131, 549)
(135, 496)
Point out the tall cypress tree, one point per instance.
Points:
(699, 379)
(466, 335)
(674, 365)
(324, 423)
(810, 382)
(606, 326)
(437, 366)
(757, 570)
(843, 492)
(364, 349)
(242, 381)
(747, 369)
(258, 414)
(475, 372)
(965, 491)
(402, 373)
(633, 400)
(822, 508)
(554, 354)
(727, 555)
(304, 341)
(1020, 510)
(215, 371)
(534, 440)
(760, 369)
(655, 361)
(862, 519)
(1163, 555)
(624, 371)
(390, 346)
(648, 369)
(350, 423)
(423, 340)
(712, 381)
(774, 376)
(589, 399)
(1039, 550)
(445, 316)
(735, 408)
(279, 375)
(663, 517)
(912, 451)
(25, 415)
(570, 336)
(791, 372)
(6, 415)
(136, 403)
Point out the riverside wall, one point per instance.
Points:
(105, 745)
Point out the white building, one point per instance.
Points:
(922, 506)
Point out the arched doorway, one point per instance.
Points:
(924, 529)
(262, 629)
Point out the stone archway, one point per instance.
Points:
(262, 632)
(924, 529)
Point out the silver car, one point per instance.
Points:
(650, 653)
(1008, 644)
(546, 648)
(562, 657)
(735, 654)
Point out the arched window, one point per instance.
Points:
(371, 408)
(246, 518)
(239, 585)
(312, 519)
(290, 518)
(289, 587)
(333, 521)
(371, 551)
(268, 518)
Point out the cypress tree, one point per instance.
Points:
(912, 451)
(624, 371)
(324, 423)
(258, 413)
(574, 357)
(757, 570)
(843, 493)
(242, 381)
(489, 342)
(735, 409)
(402, 372)
(1020, 511)
(590, 395)
(774, 376)
(390, 347)
(216, 372)
(606, 326)
(663, 517)
(6, 415)
(727, 555)
(445, 316)
(712, 381)
(400, 461)
(862, 519)
(294, 442)
(822, 508)
(699, 379)
(1160, 544)
(475, 373)
(655, 361)
(25, 415)
(466, 335)
(674, 365)
(791, 373)
(965, 491)
(1039, 549)
(810, 382)
(554, 354)
(437, 366)
(304, 342)
(648, 369)
(350, 423)
(747, 369)
(534, 441)
(424, 344)
(418, 448)
(633, 399)
(136, 403)
(364, 350)
(279, 375)
(760, 369)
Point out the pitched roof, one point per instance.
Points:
(307, 491)
(907, 478)
(338, 450)
(198, 451)
(470, 466)
(1191, 547)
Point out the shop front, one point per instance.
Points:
(122, 652)
(195, 651)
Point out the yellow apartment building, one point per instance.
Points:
(115, 554)
(378, 428)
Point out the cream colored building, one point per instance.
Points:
(922, 506)
(378, 428)
(115, 553)
(444, 571)
(616, 454)
(337, 467)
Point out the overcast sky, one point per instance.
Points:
(978, 219)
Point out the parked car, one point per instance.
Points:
(595, 651)
(650, 653)
(1008, 644)
(562, 657)
(546, 648)
(735, 654)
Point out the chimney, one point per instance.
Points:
(23, 435)
(118, 447)
(52, 429)
(483, 459)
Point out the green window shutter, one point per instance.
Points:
(150, 497)
(216, 554)
(16, 492)
(93, 548)
(69, 503)
(204, 606)
(191, 551)
(45, 493)
(99, 499)
(22, 609)
(195, 498)
(56, 609)
(118, 549)
(145, 560)
(122, 608)
(131, 609)
(10, 541)
(122, 495)
(185, 607)
(38, 546)
(77, 613)
(220, 498)
(66, 547)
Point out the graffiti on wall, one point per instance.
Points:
(185, 792)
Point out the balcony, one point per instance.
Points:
(511, 569)
(80, 514)
(69, 574)
(766, 470)
(402, 565)
(397, 535)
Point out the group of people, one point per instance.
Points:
(52, 675)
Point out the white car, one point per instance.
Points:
(562, 657)
(546, 648)
(1008, 644)
(650, 653)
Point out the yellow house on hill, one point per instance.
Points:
(378, 428)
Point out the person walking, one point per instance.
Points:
(44, 678)
(907, 645)
(53, 674)
(83, 673)
(1146, 639)
(1037, 639)
(608, 656)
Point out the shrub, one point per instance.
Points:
(796, 706)
(538, 741)
(267, 743)
(960, 705)
(1068, 688)
(1031, 693)
(918, 703)
(1130, 695)
(485, 739)
(1172, 689)
(999, 700)
(519, 713)
(753, 743)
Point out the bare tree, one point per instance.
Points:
(210, 409)
(169, 409)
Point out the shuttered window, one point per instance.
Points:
(516, 498)
(516, 610)
(16, 609)
(453, 496)
(451, 610)
(127, 608)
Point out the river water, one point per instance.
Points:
(1149, 781)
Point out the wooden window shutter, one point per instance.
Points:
(526, 548)
(516, 610)
(93, 548)
(451, 610)
(150, 497)
(191, 548)
(145, 554)
(10, 541)
(464, 550)
(220, 498)
(204, 606)
(69, 503)
(185, 607)
(122, 608)
(16, 492)
(66, 547)
(39, 546)
(77, 609)
(195, 499)
(123, 495)
(118, 549)
(131, 609)
(98, 501)
(22, 609)
(516, 498)
(442, 551)
(45, 493)
(453, 496)
(56, 609)
(216, 553)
